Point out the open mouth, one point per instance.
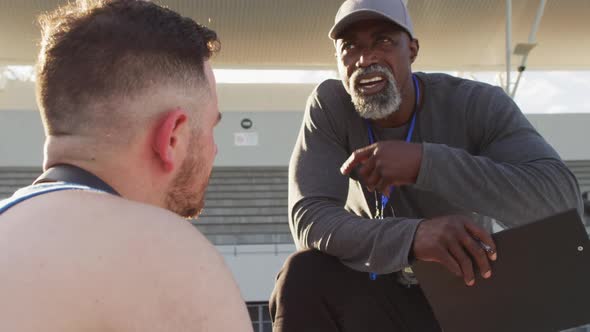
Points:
(371, 84)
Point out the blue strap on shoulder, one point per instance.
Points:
(36, 190)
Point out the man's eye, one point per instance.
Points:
(347, 46)
(385, 40)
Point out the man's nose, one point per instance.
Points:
(367, 58)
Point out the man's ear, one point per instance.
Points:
(414, 48)
(166, 136)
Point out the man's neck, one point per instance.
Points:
(131, 180)
(397, 119)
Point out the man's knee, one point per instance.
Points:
(308, 260)
(307, 266)
(305, 275)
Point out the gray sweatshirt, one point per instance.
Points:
(480, 155)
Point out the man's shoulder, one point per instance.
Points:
(445, 83)
(130, 216)
(330, 97)
(180, 268)
(330, 90)
(119, 209)
(130, 257)
(90, 215)
(125, 207)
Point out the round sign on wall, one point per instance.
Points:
(246, 123)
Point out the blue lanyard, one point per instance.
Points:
(385, 199)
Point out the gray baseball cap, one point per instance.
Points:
(352, 11)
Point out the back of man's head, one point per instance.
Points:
(98, 56)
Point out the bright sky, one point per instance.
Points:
(548, 91)
(538, 91)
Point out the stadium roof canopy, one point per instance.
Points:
(458, 35)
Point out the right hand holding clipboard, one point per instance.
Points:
(457, 243)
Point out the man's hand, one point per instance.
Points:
(385, 163)
(453, 241)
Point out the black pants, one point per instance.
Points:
(316, 292)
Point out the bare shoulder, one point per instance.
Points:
(179, 273)
(138, 267)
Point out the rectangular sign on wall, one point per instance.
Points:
(246, 139)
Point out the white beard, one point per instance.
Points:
(377, 106)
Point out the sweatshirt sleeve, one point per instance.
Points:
(515, 176)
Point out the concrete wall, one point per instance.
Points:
(21, 139)
(274, 133)
(569, 134)
(17, 95)
(274, 109)
(275, 112)
(255, 267)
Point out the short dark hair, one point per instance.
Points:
(94, 50)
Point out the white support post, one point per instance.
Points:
(508, 43)
(532, 40)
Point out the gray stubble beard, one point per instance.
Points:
(377, 106)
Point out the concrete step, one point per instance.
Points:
(242, 219)
(28, 178)
(18, 182)
(249, 171)
(246, 187)
(13, 178)
(237, 239)
(248, 180)
(246, 202)
(243, 211)
(6, 192)
(259, 228)
(213, 195)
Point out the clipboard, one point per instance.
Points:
(540, 282)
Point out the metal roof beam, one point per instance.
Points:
(508, 43)
(525, 49)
